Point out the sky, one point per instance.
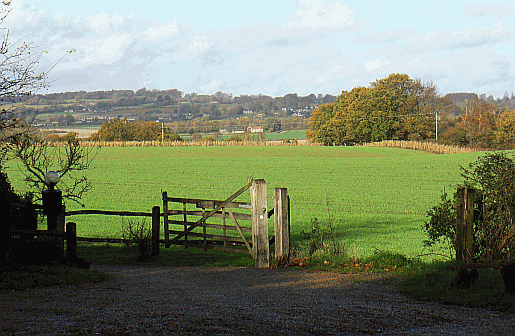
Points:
(268, 47)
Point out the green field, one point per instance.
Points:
(301, 134)
(377, 196)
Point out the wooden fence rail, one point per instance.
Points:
(155, 215)
(255, 243)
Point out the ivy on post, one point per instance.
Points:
(260, 242)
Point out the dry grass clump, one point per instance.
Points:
(421, 146)
(203, 142)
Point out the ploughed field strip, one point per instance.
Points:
(237, 301)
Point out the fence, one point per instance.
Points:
(253, 240)
(70, 234)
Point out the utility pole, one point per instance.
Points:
(436, 124)
(162, 133)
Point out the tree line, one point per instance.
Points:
(173, 104)
(118, 129)
(400, 108)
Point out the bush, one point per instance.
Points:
(322, 239)
(176, 137)
(234, 137)
(493, 178)
(141, 234)
(18, 212)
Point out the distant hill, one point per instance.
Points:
(461, 98)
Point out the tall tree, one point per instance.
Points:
(505, 132)
(396, 107)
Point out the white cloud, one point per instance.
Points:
(324, 47)
(320, 14)
(101, 51)
(496, 11)
(198, 43)
(103, 24)
(158, 33)
(375, 65)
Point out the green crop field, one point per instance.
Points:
(377, 196)
(300, 134)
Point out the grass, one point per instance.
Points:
(300, 134)
(378, 197)
(117, 254)
(28, 277)
(432, 284)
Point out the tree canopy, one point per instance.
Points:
(394, 108)
(121, 130)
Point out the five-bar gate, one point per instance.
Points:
(185, 223)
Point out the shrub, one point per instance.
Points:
(493, 178)
(322, 239)
(175, 137)
(18, 212)
(441, 227)
(235, 138)
(141, 234)
(196, 137)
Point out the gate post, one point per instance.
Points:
(281, 226)
(155, 231)
(464, 224)
(260, 242)
(165, 218)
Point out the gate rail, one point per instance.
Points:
(257, 245)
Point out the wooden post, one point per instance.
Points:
(204, 231)
(260, 243)
(61, 219)
(156, 219)
(464, 224)
(71, 241)
(224, 231)
(281, 226)
(165, 219)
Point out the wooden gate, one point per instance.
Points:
(228, 229)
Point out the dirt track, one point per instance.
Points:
(236, 301)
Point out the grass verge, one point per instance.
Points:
(433, 284)
(27, 277)
(118, 254)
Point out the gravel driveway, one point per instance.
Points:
(236, 301)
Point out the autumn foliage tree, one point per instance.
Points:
(393, 108)
(504, 137)
(122, 130)
(476, 127)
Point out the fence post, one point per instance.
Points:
(165, 218)
(60, 220)
(464, 224)
(281, 226)
(156, 219)
(71, 241)
(260, 242)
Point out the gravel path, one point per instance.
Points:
(236, 301)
